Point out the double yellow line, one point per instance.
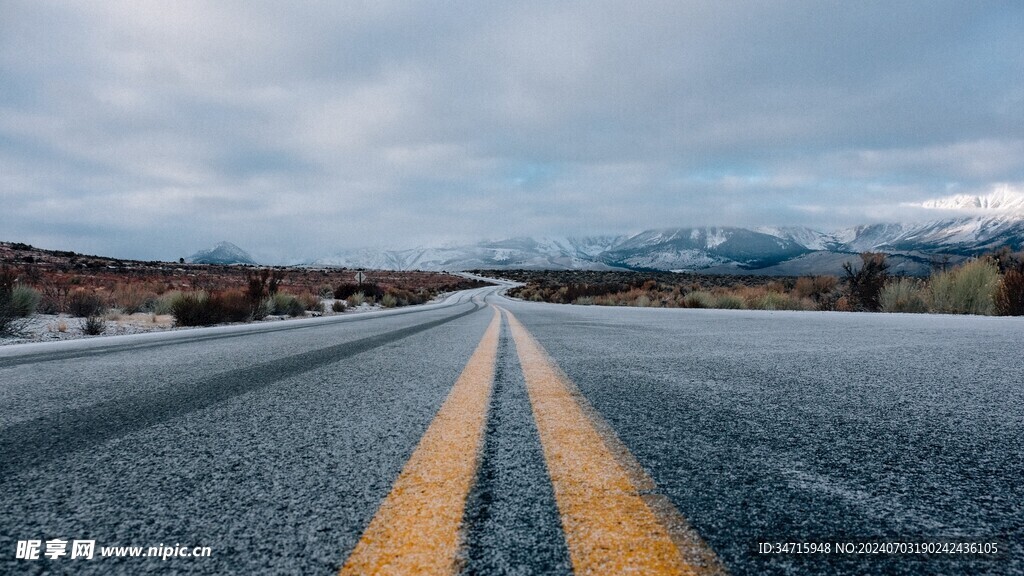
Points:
(613, 521)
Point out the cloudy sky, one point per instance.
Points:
(153, 129)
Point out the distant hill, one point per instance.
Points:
(223, 253)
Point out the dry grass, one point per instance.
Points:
(904, 295)
(967, 289)
(986, 285)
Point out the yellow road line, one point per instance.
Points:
(416, 529)
(611, 526)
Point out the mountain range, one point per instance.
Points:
(972, 225)
(968, 225)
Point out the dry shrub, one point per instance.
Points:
(85, 303)
(199, 308)
(94, 325)
(345, 290)
(1009, 297)
(699, 299)
(804, 286)
(163, 304)
(750, 295)
(776, 301)
(642, 301)
(865, 283)
(368, 290)
(967, 289)
(407, 297)
(55, 297)
(132, 298)
(9, 320)
(310, 302)
(815, 287)
(904, 295)
(256, 286)
(24, 300)
(285, 304)
(729, 302)
(193, 309)
(231, 306)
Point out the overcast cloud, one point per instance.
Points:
(152, 129)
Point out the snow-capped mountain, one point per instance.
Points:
(957, 236)
(223, 253)
(540, 253)
(870, 236)
(968, 225)
(972, 224)
(806, 237)
(696, 248)
(718, 248)
(1003, 201)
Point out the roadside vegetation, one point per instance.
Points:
(17, 302)
(100, 291)
(991, 284)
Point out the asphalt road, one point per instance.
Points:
(277, 448)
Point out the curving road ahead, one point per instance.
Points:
(485, 435)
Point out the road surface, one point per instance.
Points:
(490, 436)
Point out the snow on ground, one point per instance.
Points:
(53, 327)
(56, 327)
